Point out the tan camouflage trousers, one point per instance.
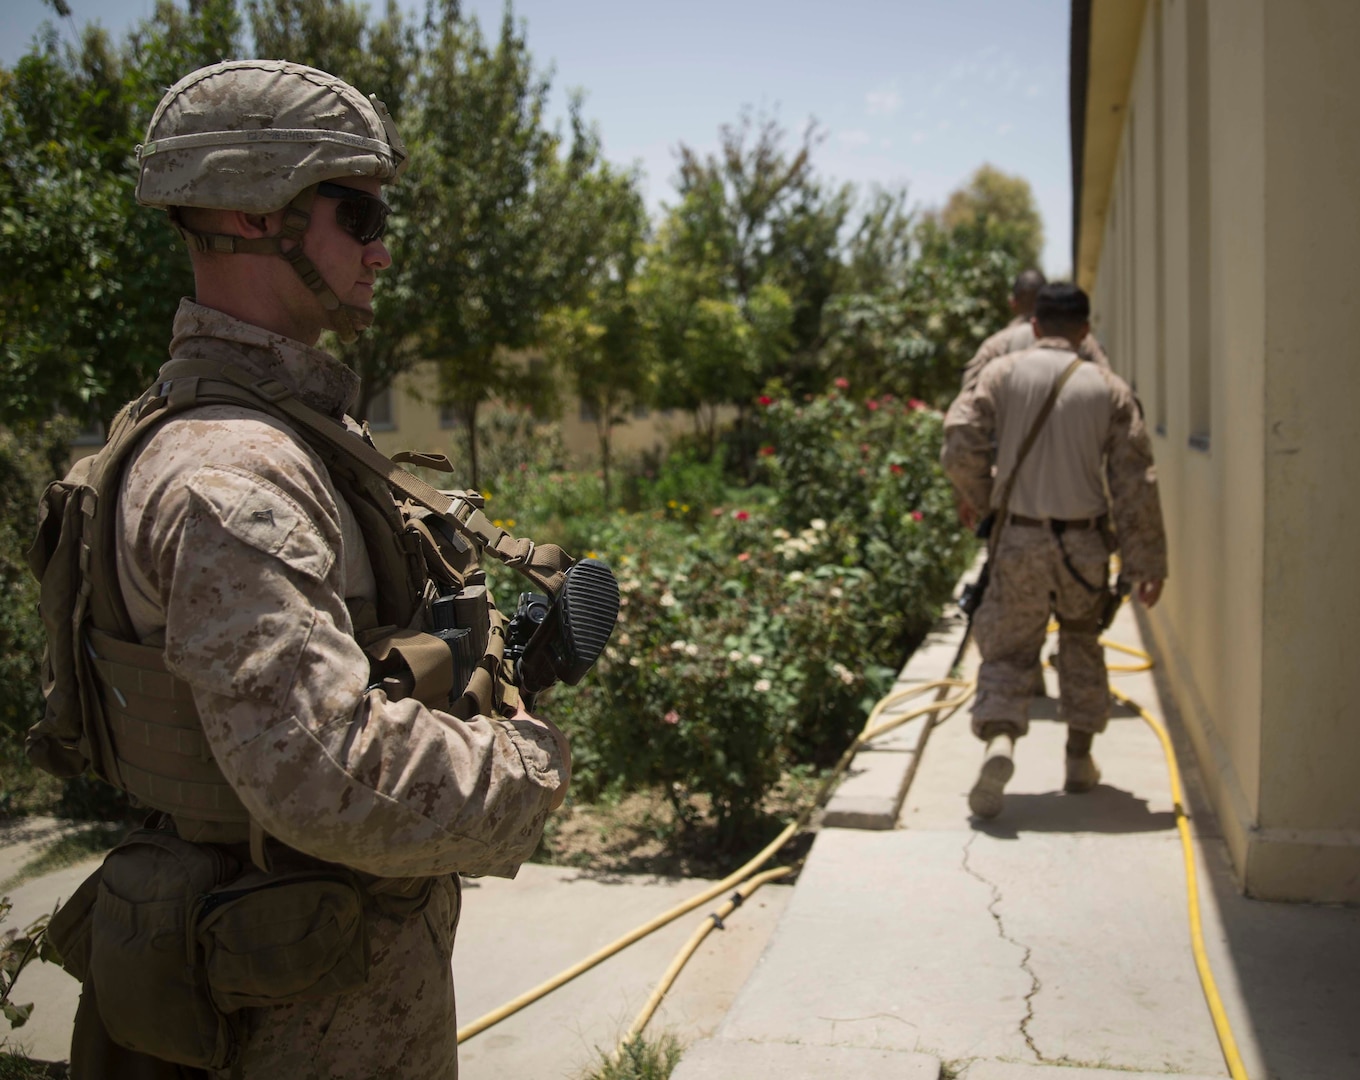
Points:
(1029, 583)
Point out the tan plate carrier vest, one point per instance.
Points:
(113, 705)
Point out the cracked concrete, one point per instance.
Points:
(1049, 944)
(1026, 952)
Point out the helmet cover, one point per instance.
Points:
(250, 135)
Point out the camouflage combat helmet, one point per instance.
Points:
(259, 136)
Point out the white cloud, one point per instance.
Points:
(1031, 91)
(854, 138)
(918, 137)
(1005, 129)
(884, 101)
(884, 144)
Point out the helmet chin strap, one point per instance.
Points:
(346, 320)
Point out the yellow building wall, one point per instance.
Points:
(1229, 246)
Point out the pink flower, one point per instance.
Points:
(864, 448)
(895, 469)
(767, 451)
(744, 556)
(717, 511)
(672, 717)
(842, 383)
(915, 404)
(765, 399)
(742, 515)
(916, 515)
(871, 405)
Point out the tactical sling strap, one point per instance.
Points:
(112, 703)
(971, 598)
(543, 564)
(1025, 448)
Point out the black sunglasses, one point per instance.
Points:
(360, 214)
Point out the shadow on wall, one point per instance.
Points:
(1298, 965)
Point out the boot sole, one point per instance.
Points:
(988, 794)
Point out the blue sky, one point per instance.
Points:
(905, 91)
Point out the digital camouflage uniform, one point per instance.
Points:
(1094, 437)
(237, 553)
(1017, 336)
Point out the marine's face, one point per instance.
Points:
(349, 265)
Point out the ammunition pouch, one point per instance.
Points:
(177, 938)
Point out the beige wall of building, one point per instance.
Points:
(415, 422)
(1221, 254)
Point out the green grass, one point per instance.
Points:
(638, 1059)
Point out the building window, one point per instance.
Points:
(1197, 101)
(380, 411)
(448, 417)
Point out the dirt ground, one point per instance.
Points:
(641, 833)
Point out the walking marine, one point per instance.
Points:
(1018, 334)
(240, 635)
(1059, 431)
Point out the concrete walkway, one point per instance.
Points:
(1049, 944)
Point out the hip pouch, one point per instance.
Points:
(179, 941)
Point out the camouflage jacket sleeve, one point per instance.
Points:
(1132, 478)
(246, 557)
(1090, 350)
(969, 437)
(996, 345)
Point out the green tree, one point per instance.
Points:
(505, 215)
(599, 343)
(86, 323)
(1005, 206)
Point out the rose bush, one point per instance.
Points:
(754, 635)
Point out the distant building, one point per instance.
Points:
(1216, 167)
(406, 416)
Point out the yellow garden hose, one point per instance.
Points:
(734, 879)
(745, 884)
(1222, 1027)
(742, 894)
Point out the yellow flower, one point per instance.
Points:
(486, 495)
(510, 523)
(497, 523)
(672, 504)
(684, 509)
(591, 555)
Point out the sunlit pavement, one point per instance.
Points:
(1052, 942)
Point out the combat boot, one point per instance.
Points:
(998, 765)
(1082, 772)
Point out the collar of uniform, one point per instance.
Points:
(1058, 344)
(315, 376)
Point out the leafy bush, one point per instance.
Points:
(762, 637)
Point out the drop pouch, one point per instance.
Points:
(181, 939)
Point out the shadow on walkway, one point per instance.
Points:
(1105, 810)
